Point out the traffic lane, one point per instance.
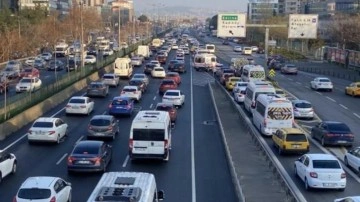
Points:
(212, 171)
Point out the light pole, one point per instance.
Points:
(119, 26)
(81, 39)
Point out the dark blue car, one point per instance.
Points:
(121, 105)
(333, 133)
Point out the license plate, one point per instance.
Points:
(38, 133)
(75, 107)
(83, 162)
(99, 134)
(120, 107)
(329, 184)
(140, 148)
(295, 146)
(341, 142)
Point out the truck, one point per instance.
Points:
(144, 51)
(123, 67)
(62, 49)
(156, 43)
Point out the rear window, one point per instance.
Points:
(265, 93)
(167, 82)
(149, 134)
(324, 80)
(96, 85)
(296, 138)
(27, 70)
(326, 164)
(159, 70)
(303, 105)
(138, 76)
(135, 83)
(171, 75)
(129, 89)
(100, 122)
(338, 127)
(163, 107)
(108, 77)
(86, 149)
(228, 71)
(172, 93)
(120, 102)
(42, 124)
(34, 194)
(233, 80)
(77, 101)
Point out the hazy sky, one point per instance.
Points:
(230, 5)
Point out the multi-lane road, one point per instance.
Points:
(197, 168)
(327, 105)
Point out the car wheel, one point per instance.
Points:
(353, 94)
(104, 168)
(295, 171)
(69, 197)
(14, 168)
(346, 92)
(307, 187)
(58, 139)
(114, 136)
(342, 189)
(0, 177)
(323, 141)
(280, 151)
(346, 161)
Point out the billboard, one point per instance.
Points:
(303, 26)
(231, 25)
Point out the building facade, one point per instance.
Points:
(262, 9)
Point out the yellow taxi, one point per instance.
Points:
(353, 89)
(230, 83)
(290, 140)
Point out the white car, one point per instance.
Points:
(141, 76)
(348, 199)
(180, 57)
(28, 84)
(239, 91)
(44, 188)
(174, 47)
(90, 59)
(321, 83)
(352, 159)
(108, 52)
(155, 62)
(320, 171)
(254, 48)
(8, 164)
(111, 80)
(175, 97)
(158, 72)
(47, 129)
(136, 61)
(237, 49)
(46, 56)
(133, 92)
(79, 105)
(180, 51)
(30, 61)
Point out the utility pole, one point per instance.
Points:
(119, 26)
(82, 38)
(133, 21)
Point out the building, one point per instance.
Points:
(261, 9)
(126, 9)
(329, 7)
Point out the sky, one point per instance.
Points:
(224, 5)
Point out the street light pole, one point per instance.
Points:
(119, 26)
(82, 38)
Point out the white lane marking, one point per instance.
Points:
(307, 87)
(104, 112)
(80, 138)
(343, 106)
(154, 98)
(329, 98)
(357, 115)
(16, 141)
(151, 106)
(193, 182)
(290, 79)
(62, 158)
(125, 161)
(319, 93)
(298, 83)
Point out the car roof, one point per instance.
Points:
(46, 119)
(121, 98)
(172, 73)
(321, 157)
(140, 75)
(333, 122)
(176, 91)
(164, 104)
(97, 82)
(109, 75)
(38, 182)
(130, 87)
(89, 143)
(322, 78)
(102, 116)
(78, 97)
(292, 130)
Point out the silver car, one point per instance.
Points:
(303, 109)
(103, 126)
(111, 80)
(142, 77)
(97, 88)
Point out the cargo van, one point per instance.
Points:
(144, 51)
(253, 90)
(127, 186)
(252, 73)
(272, 112)
(210, 48)
(204, 62)
(123, 67)
(156, 43)
(150, 135)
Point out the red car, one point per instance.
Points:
(167, 84)
(174, 76)
(30, 72)
(169, 108)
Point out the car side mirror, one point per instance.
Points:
(68, 184)
(350, 152)
(161, 195)
(299, 159)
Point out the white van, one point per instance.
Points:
(150, 135)
(126, 186)
(272, 112)
(204, 62)
(123, 67)
(253, 90)
(247, 51)
(210, 48)
(251, 73)
(144, 51)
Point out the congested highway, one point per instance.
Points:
(197, 168)
(335, 106)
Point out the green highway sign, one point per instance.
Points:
(229, 17)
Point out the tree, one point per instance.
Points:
(143, 18)
(345, 29)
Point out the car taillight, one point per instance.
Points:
(110, 105)
(53, 199)
(51, 132)
(68, 106)
(172, 112)
(343, 175)
(29, 131)
(122, 92)
(330, 135)
(131, 143)
(265, 123)
(83, 106)
(253, 104)
(70, 160)
(128, 106)
(349, 135)
(110, 128)
(166, 144)
(313, 174)
(97, 160)
(14, 199)
(89, 127)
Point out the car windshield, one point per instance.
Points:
(303, 105)
(25, 80)
(326, 164)
(119, 102)
(77, 101)
(96, 85)
(296, 138)
(242, 84)
(42, 124)
(89, 57)
(100, 122)
(172, 93)
(235, 79)
(171, 75)
(167, 82)
(338, 127)
(34, 193)
(324, 80)
(38, 61)
(129, 89)
(86, 149)
(11, 63)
